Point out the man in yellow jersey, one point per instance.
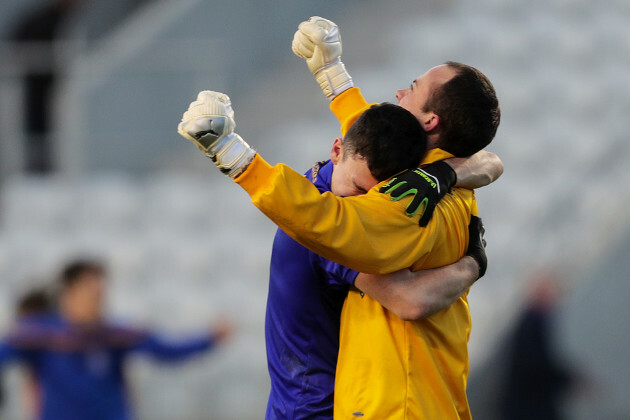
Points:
(457, 107)
(372, 234)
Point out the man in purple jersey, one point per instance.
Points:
(306, 291)
(77, 357)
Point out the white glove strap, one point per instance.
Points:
(231, 154)
(333, 79)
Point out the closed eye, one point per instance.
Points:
(359, 188)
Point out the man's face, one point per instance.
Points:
(416, 95)
(351, 175)
(86, 297)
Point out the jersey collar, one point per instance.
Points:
(434, 155)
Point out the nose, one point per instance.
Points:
(401, 93)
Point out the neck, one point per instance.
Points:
(432, 141)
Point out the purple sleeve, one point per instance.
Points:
(8, 353)
(173, 350)
(31, 335)
(338, 274)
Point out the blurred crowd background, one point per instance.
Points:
(95, 168)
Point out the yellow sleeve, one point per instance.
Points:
(368, 233)
(349, 106)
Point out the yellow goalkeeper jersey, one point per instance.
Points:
(387, 368)
(393, 369)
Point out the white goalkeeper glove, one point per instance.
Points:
(209, 123)
(318, 41)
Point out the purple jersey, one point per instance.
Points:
(306, 294)
(80, 370)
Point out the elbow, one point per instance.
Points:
(498, 167)
(491, 173)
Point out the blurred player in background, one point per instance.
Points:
(349, 231)
(34, 303)
(78, 357)
(536, 378)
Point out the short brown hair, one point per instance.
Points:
(389, 138)
(468, 109)
(33, 302)
(72, 272)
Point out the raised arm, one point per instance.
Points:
(318, 41)
(415, 295)
(357, 232)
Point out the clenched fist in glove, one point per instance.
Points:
(318, 41)
(209, 123)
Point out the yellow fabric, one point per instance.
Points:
(348, 106)
(387, 368)
(394, 369)
(368, 233)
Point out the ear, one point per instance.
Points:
(430, 122)
(337, 151)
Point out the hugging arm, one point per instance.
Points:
(478, 170)
(416, 295)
